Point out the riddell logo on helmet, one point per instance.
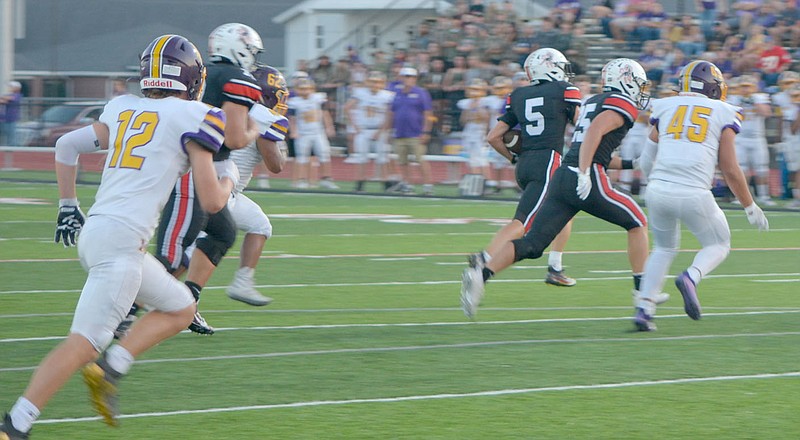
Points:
(157, 83)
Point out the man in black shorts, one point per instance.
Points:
(542, 111)
(581, 183)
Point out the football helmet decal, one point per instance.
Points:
(172, 62)
(547, 64)
(236, 42)
(274, 90)
(627, 77)
(703, 77)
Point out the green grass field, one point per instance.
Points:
(366, 339)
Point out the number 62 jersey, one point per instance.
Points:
(689, 129)
(147, 155)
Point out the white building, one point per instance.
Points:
(317, 27)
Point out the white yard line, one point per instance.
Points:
(419, 283)
(420, 397)
(435, 324)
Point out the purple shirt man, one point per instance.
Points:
(408, 108)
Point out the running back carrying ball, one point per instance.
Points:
(513, 140)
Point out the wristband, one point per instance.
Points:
(627, 164)
(68, 202)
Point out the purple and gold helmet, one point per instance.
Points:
(172, 62)
(274, 90)
(703, 77)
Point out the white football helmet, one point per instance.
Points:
(548, 64)
(237, 43)
(627, 77)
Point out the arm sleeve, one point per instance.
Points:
(211, 132)
(72, 144)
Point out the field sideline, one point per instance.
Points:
(366, 339)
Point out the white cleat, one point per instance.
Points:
(241, 289)
(472, 288)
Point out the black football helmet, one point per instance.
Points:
(274, 90)
(172, 62)
(703, 77)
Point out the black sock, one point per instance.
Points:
(195, 289)
(134, 309)
(487, 274)
(637, 279)
(359, 185)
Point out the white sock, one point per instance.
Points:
(23, 414)
(695, 275)
(554, 260)
(119, 359)
(245, 273)
(763, 192)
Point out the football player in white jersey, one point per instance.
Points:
(310, 125)
(787, 101)
(475, 122)
(751, 144)
(501, 87)
(247, 214)
(152, 141)
(692, 134)
(366, 111)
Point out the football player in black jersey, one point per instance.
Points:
(581, 183)
(542, 109)
(233, 48)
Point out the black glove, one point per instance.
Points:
(70, 222)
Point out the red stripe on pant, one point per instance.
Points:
(555, 162)
(182, 199)
(618, 196)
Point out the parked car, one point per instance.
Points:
(56, 121)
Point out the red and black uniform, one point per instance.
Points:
(183, 219)
(604, 202)
(542, 111)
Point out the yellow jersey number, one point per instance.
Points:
(123, 156)
(696, 127)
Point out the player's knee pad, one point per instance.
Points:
(526, 248)
(213, 248)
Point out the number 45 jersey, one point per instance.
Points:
(147, 154)
(542, 112)
(689, 130)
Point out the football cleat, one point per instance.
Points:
(477, 260)
(643, 321)
(691, 304)
(557, 278)
(200, 326)
(327, 183)
(9, 432)
(472, 288)
(102, 381)
(241, 289)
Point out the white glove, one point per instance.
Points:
(584, 182)
(226, 168)
(756, 217)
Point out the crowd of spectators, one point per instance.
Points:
(484, 39)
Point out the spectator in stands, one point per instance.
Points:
(119, 87)
(578, 50)
(746, 10)
(341, 73)
(649, 22)
(10, 103)
(433, 82)
(379, 62)
(708, 15)
(567, 11)
(453, 85)
(323, 74)
(653, 60)
(773, 60)
(410, 116)
(525, 43)
(692, 42)
(676, 61)
(422, 37)
(563, 37)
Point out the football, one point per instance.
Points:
(513, 140)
